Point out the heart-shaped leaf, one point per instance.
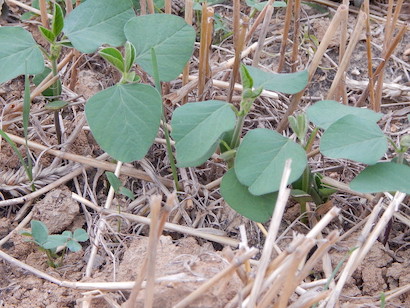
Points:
(261, 158)
(124, 119)
(325, 113)
(354, 138)
(197, 129)
(97, 22)
(383, 177)
(171, 38)
(238, 197)
(290, 83)
(19, 53)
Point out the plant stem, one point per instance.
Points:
(164, 122)
(55, 93)
(236, 137)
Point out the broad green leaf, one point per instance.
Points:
(73, 246)
(197, 129)
(97, 22)
(354, 138)
(17, 48)
(171, 38)
(80, 235)
(58, 20)
(124, 119)
(40, 77)
(260, 5)
(383, 177)
(261, 158)
(256, 208)
(39, 232)
(290, 83)
(55, 241)
(113, 56)
(324, 113)
(47, 34)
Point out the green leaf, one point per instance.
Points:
(383, 177)
(261, 158)
(286, 83)
(80, 235)
(197, 129)
(73, 246)
(325, 113)
(58, 20)
(246, 78)
(124, 119)
(97, 22)
(354, 138)
(129, 56)
(47, 34)
(56, 240)
(171, 38)
(40, 77)
(256, 208)
(113, 56)
(56, 105)
(39, 232)
(126, 192)
(17, 48)
(114, 181)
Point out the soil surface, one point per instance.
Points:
(184, 262)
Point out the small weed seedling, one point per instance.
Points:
(50, 243)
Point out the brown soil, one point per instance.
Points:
(184, 262)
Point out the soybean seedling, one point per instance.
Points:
(50, 243)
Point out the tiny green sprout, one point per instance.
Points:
(118, 187)
(299, 125)
(50, 243)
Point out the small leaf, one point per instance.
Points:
(256, 208)
(113, 56)
(126, 192)
(290, 83)
(129, 56)
(246, 78)
(325, 113)
(40, 77)
(80, 235)
(383, 177)
(39, 231)
(97, 22)
(58, 20)
(114, 181)
(124, 119)
(56, 105)
(47, 34)
(261, 158)
(18, 48)
(171, 38)
(197, 129)
(354, 138)
(73, 246)
(56, 240)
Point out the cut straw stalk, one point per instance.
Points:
(295, 47)
(361, 21)
(334, 25)
(365, 242)
(168, 226)
(130, 171)
(262, 35)
(286, 26)
(204, 72)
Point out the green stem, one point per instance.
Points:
(236, 137)
(55, 94)
(164, 122)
